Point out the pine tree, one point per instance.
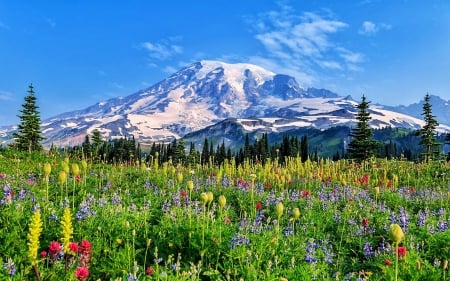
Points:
(28, 136)
(362, 146)
(429, 142)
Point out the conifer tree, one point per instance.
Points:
(362, 146)
(28, 136)
(428, 139)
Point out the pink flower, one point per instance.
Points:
(43, 254)
(54, 248)
(81, 273)
(227, 220)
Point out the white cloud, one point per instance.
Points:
(6, 96)
(369, 28)
(162, 50)
(303, 44)
(51, 22)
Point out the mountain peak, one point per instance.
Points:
(203, 94)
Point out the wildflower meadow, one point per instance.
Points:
(69, 219)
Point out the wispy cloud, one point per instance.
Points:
(302, 44)
(369, 28)
(163, 49)
(6, 96)
(51, 22)
(3, 25)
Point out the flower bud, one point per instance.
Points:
(210, 196)
(180, 178)
(190, 185)
(296, 213)
(75, 169)
(222, 201)
(204, 198)
(280, 209)
(84, 165)
(377, 190)
(47, 169)
(62, 177)
(396, 233)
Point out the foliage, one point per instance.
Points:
(431, 146)
(296, 220)
(362, 146)
(28, 136)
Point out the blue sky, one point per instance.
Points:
(80, 52)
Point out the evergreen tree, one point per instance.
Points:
(86, 145)
(304, 148)
(28, 136)
(362, 146)
(429, 142)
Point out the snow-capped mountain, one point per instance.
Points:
(207, 92)
(441, 109)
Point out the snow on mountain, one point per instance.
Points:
(207, 92)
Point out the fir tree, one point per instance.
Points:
(428, 139)
(28, 136)
(362, 146)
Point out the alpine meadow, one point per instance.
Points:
(224, 140)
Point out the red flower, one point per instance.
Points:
(227, 220)
(81, 273)
(85, 247)
(387, 262)
(73, 247)
(365, 222)
(78, 178)
(401, 251)
(183, 193)
(258, 205)
(43, 254)
(54, 248)
(149, 271)
(305, 193)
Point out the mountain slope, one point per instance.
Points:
(208, 92)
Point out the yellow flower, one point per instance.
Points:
(296, 213)
(377, 190)
(118, 241)
(67, 229)
(210, 196)
(47, 169)
(190, 185)
(180, 178)
(279, 209)
(65, 166)
(396, 233)
(62, 177)
(35, 230)
(204, 198)
(84, 165)
(222, 201)
(75, 169)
